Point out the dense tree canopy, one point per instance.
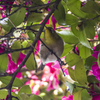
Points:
(75, 75)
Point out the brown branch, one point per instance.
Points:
(90, 19)
(13, 50)
(88, 89)
(58, 59)
(5, 74)
(20, 6)
(38, 6)
(9, 86)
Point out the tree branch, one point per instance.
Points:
(9, 86)
(13, 50)
(58, 59)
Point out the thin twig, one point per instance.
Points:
(90, 19)
(5, 74)
(58, 59)
(20, 6)
(13, 50)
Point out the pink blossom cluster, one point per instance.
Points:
(95, 68)
(11, 65)
(49, 79)
(4, 7)
(50, 75)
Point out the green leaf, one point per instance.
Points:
(71, 19)
(60, 14)
(15, 55)
(97, 47)
(83, 39)
(85, 95)
(35, 97)
(74, 29)
(96, 88)
(35, 27)
(89, 62)
(92, 79)
(77, 95)
(17, 82)
(31, 35)
(3, 63)
(85, 52)
(16, 95)
(77, 87)
(3, 94)
(24, 96)
(64, 5)
(35, 17)
(81, 35)
(89, 29)
(25, 44)
(71, 87)
(67, 49)
(74, 6)
(36, 2)
(85, 28)
(91, 7)
(30, 63)
(52, 0)
(25, 89)
(68, 37)
(18, 17)
(80, 73)
(71, 59)
(5, 25)
(72, 73)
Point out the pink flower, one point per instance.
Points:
(50, 76)
(21, 57)
(95, 68)
(6, 98)
(35, 85)
(57, 66)
(95, 54)
(2, 47)
(53, 22)
(48, 22)
(5, 7)
(28, 2)
(82, 4)
(96, 37)
(53, 19)
(49, 1)
(50, 86)
(70, 97)
(66, 71)
(12, 66)
(97, 97)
